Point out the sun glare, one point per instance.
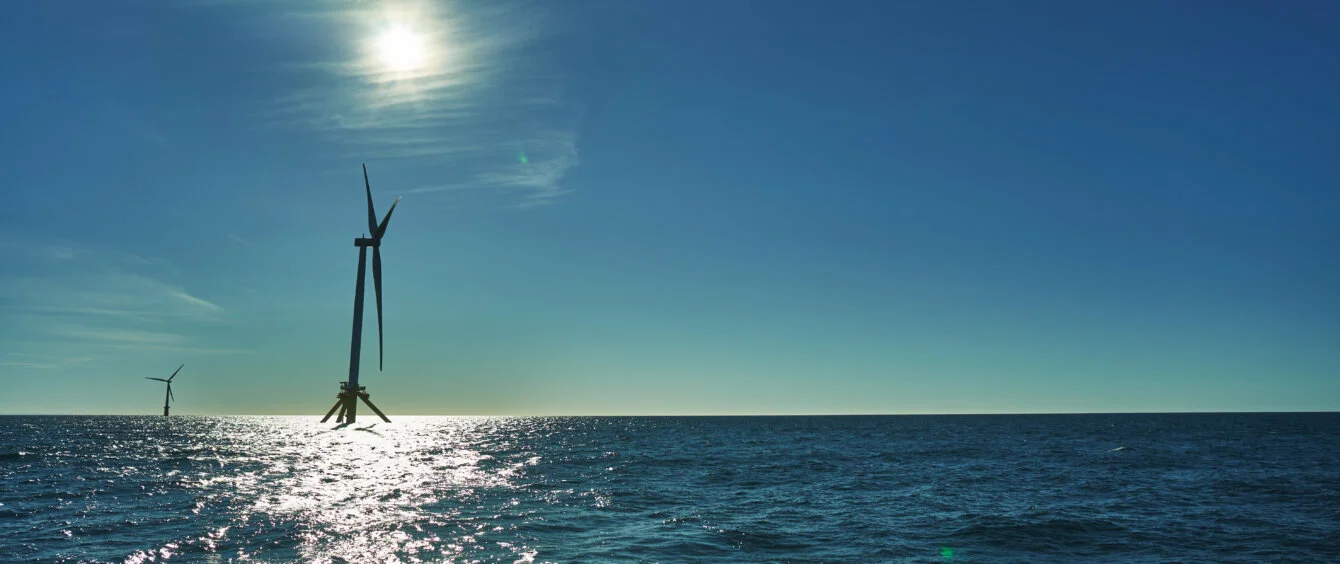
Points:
(401, 49)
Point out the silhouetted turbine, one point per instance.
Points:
(169, 395)
(350, 391)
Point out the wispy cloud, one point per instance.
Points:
(485, 111)
(77, 302)
(443, 188)
(109, 293)
(61, 253)
(200, 303)
(239, 239)
(540, 179)
(117, 336)
(43, 361)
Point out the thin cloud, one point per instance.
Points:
(44, 362)
(541, 199)
(118, 336)
(430, 189)
(541, 177)
(107, 293)
(205, 305)
(239, 239)
(160, 347)
(37, 365)
(484, 112)
(61, 253)
(67, 252)
(75, 300)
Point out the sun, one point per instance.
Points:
(400, 49)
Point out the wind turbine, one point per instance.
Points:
(350, 391)
(169, 388)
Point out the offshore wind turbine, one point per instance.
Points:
(350, 391)
(169, 388)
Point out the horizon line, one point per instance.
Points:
(969, 414)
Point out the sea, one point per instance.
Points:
(1261, 487)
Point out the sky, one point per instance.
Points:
(629, 207)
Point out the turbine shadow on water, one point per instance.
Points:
(350, 391)
(369, 429)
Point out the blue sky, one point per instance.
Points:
(624, 207)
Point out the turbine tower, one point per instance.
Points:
(169, 388)
(350, 391)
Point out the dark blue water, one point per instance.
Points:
(1060, 488)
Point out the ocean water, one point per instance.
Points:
(1047, 488)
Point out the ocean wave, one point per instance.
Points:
(1230, 488)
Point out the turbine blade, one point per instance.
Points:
(174, 398)
(174, 373)
(372, 215)
(377, 284)
(159, 379)
(381, 229)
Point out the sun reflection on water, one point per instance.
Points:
(372, 493)
(256, 489)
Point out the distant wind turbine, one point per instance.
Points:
(169, 395)
(350, 391)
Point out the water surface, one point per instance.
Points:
(1147, 488)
